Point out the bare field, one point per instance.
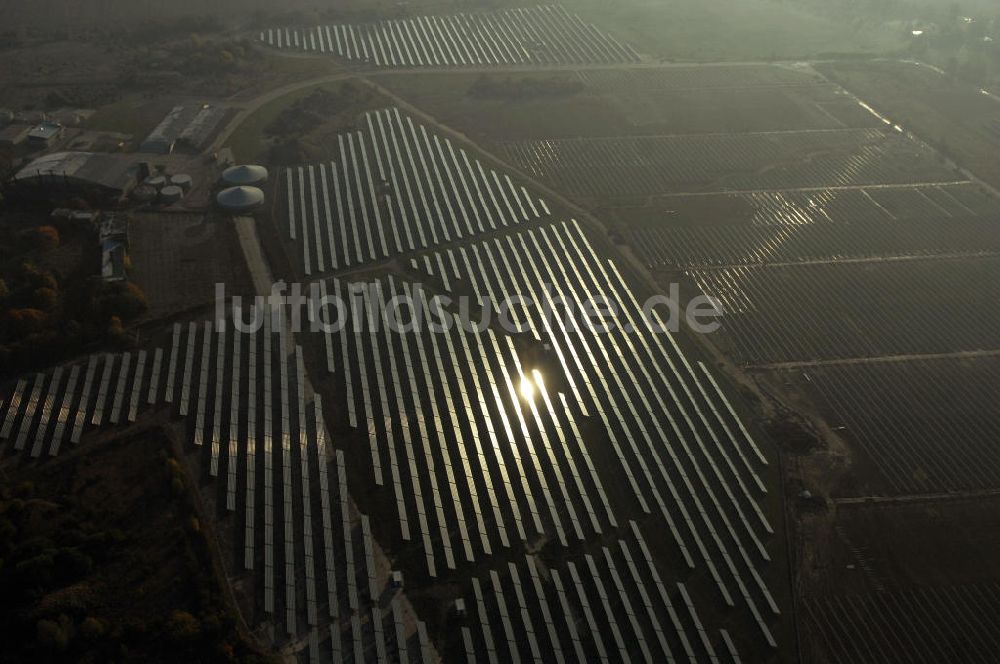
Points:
(178, 259)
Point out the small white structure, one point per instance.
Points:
(240, 199)
(245, 175)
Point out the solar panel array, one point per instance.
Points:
(545, 35)
(395, 187)
(317, 573)
(479, 464)
(607, 605)
(827, 225)
(654, 165)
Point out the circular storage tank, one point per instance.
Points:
(182, 181)
(144, 194)
(239, 199)
(171, 194)
(246, 175)
(157, 182)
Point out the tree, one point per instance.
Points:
(92, 629)
(44, 299)
(51, 636)
(25, 321)
(182, 626)
(42, 238)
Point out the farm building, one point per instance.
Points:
(198, 132)
(78, 172)
(44, 133)
(14, 134)
(184, 126)
(161, 140)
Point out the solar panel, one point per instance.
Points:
(470, 648)
(372, 198)
(609, 615)
(13, 406)
(402, 651)
(702, 633)
(662, 592)
(734, 654)
(550, 625)
(307, 538)
(47, 412)
(352, 590)
(512, 648)
(588, 614)
(526, 621)
(380, 652)
(480, 395)
(154, 380)
(268, 468)
(140, 371)
(330, 568)
(350, 197)
(123, 374)
(646, 601)
(81, 409)
(484, 623)
(320, 262)
(102, 391)
(291, 202)
(219, 386)
(189, 351)
(286, 481)
(234, 412)
(454, 423)
(206, 349)
(62, 419)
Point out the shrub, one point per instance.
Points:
(72, 563)
(42, 238)
(182, 626)
(51, 636)
(25, 321)
(44, 299)
(92, 629)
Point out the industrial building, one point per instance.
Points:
(87, 173)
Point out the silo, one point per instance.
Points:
(240, 199)
(248, 175)
(144, 194)
(157, 182)
(181, 180)
(171, 194)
